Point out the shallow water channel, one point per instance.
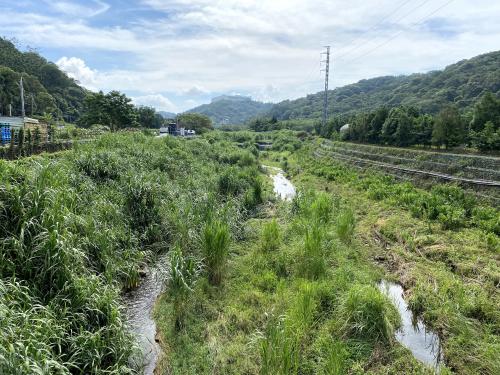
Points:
(139, 305)
(413, 334)
(283, 187)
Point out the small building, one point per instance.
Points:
(7, 124)
(345, 128)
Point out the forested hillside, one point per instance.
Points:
(232, 109)
(47, 88)
(461, 84)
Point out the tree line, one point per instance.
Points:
(116, 111)
(405, 126)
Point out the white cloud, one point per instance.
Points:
(77, 69)
(158, 101)
(268, 49)
(68, 8)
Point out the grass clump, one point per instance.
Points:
(278, 347)
(183, 275)
(216, 239)
(367, 314)
(271, 236)
(312, 262)
(346, 224)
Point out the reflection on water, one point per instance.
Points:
(283, 187)
(414, 335)
(139, 312)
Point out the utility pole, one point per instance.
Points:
(23, 113)
(32, 104)
(327, 72)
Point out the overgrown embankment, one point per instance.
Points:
(442, 244)
(77, 227)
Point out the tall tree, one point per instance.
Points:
(195, 121)
(486, 109)
(449, 128)
(113, 109)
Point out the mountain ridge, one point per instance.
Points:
(461, 83)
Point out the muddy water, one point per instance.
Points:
(139, 305)
(414, 335)
(283, 187)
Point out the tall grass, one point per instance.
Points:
(271, 236)
(346, 224)
(279, 347)
(76, 227)
(367, 314)
(180, 282)
(216, 240)
(312, 263)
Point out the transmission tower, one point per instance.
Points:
(327, 72)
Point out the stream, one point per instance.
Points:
(283, 187)
(139, 304)
(413, 334)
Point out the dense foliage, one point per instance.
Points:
(51, 89)
(77, 227)
(461, 84)
(406, 126)
(195, 121)
(231, 109)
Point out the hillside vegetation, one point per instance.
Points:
(52, 90)
(232, 109)
(461, 84)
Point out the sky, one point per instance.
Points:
(175, 55)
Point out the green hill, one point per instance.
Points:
(462, 83)
(47, 87)
(232, 110)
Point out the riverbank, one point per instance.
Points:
(290, 301)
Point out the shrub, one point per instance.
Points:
(346, 223)
(452, 217)
(271, 236)
(215, 246)
(367, 314)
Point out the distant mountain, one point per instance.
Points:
(47, 88)
(232, 110)
(167, 115)
(462, 84)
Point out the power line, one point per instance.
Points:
(374, 26)
(355, 47)
(420, 21)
